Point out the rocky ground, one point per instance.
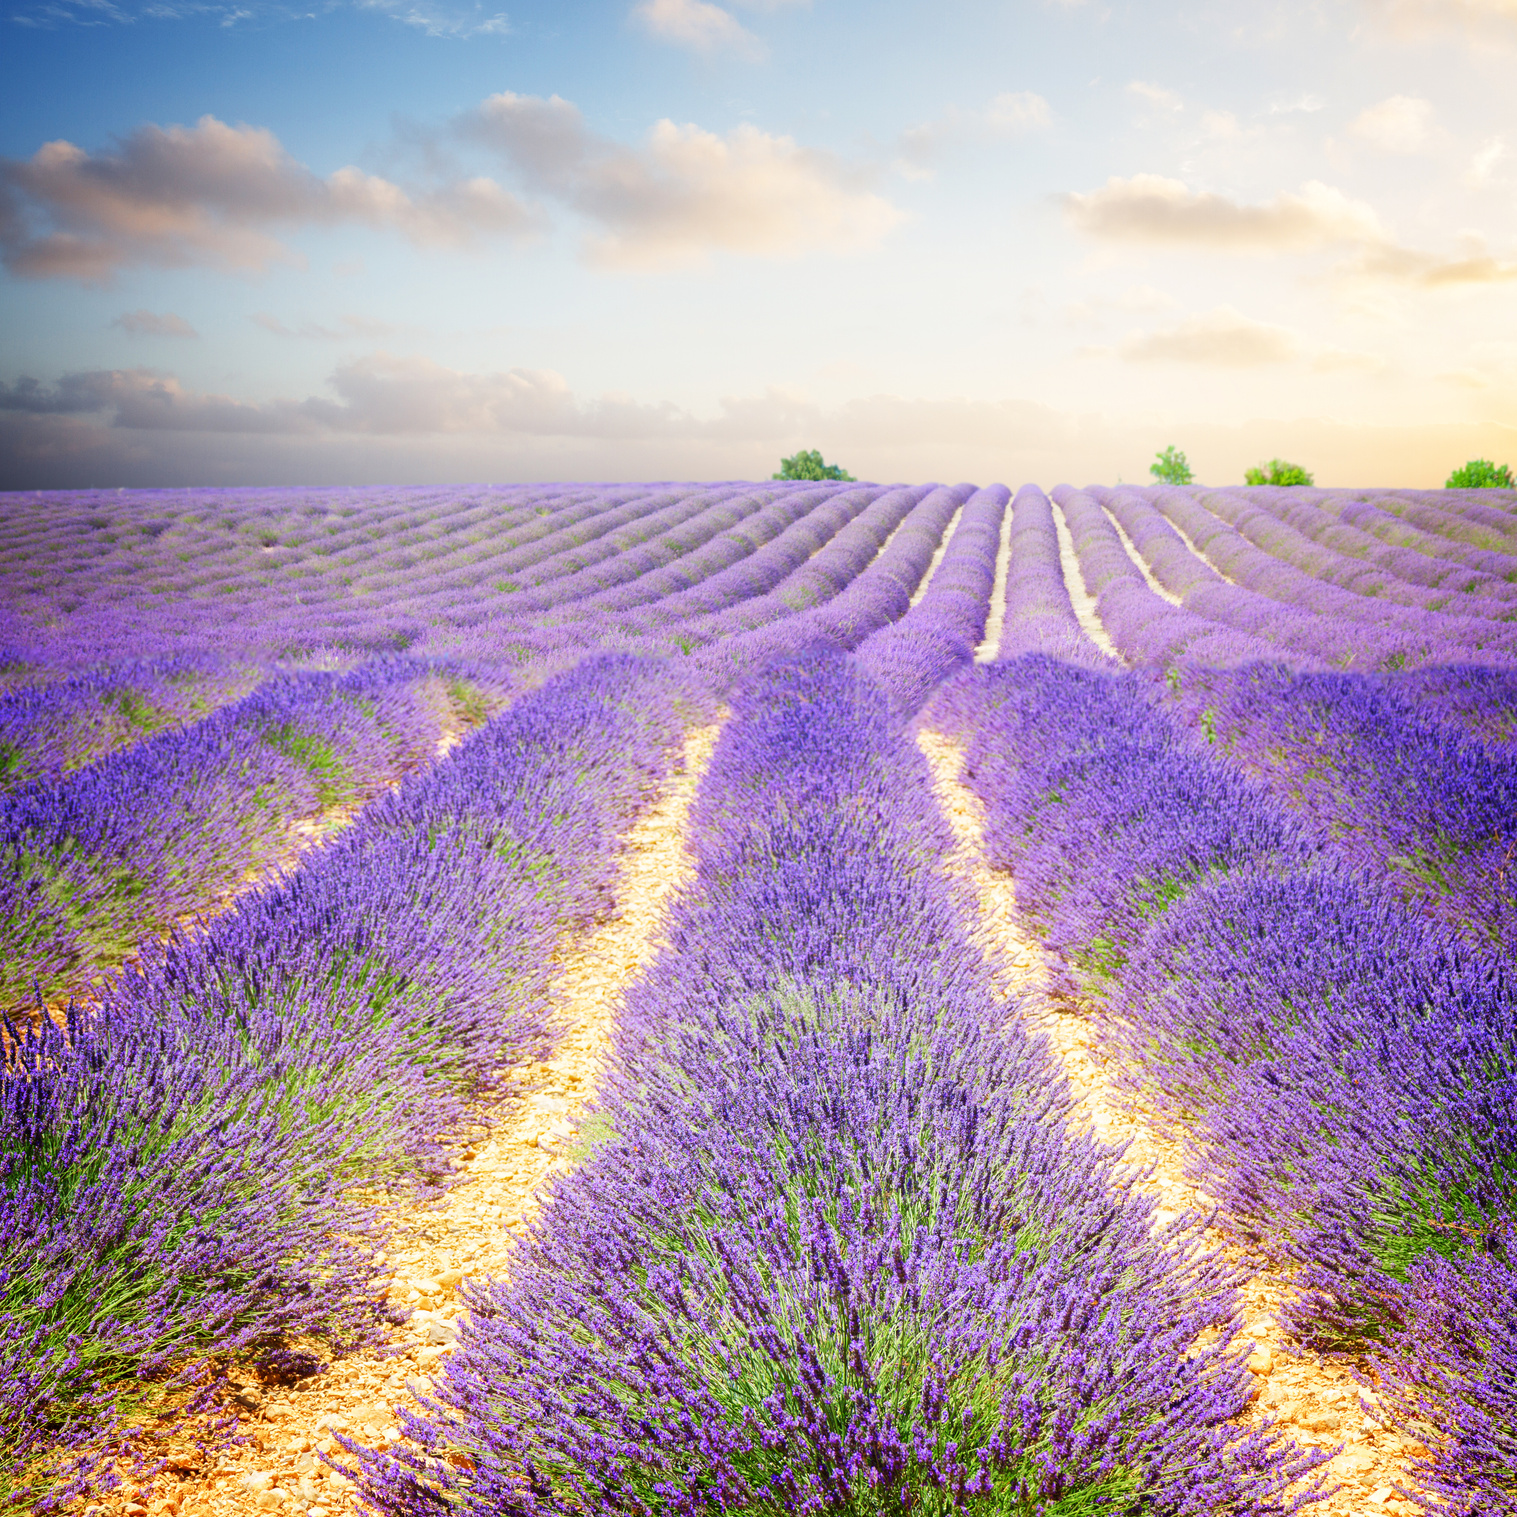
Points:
(1317, 1397)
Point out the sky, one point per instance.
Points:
(375, 241)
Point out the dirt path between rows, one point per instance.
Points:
(1318, 1398)
(434, 1250)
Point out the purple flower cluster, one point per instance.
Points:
(117, 852)
(1257, 551)
(1144, 626)
(179, 1165)
(1345, 1069)
(48, 730)
(939, 634)
(1381, 781)
(833, 1248)
(1039, 614)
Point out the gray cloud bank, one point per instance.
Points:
(408, 420)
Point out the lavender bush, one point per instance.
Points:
(834, 1250)
(177, 1169)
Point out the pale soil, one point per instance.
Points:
(1317, 1397)
(1083, 602)
(937, 556)
(990, 644)
(472, 1232)
(1141, 563)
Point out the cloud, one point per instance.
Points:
(150, 324)
(1337, 360)
(1149, 208)
(1483, 164)
(434, 19)
(1307, 104)
(348, 328)
(1222, 338)
(1009, 114)
(1479, 19)
(1017, 111)
(1430, 271)
(1220, 124)
(208, 195)
(698, 25)
(1398, 125)
(462, 21)
(1156, 97)
(378, 394)
(684, 192)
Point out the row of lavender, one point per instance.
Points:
(180, 1164)
(282, 573)
(1344, 1067)
(316, 1039)
(1410, 774)
(833, 1248)
(840, 565)
(123, 848)
(1340, 1059)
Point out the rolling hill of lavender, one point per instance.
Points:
(302, 791)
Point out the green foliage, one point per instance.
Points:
(808, 465)
(1277, 472)
(1171, 466)
(1480, 474)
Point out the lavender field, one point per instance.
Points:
(759, 998)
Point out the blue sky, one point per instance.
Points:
(425, 239)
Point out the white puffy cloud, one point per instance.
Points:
(1400, 124)
(1221, 338)
(699, 25)
(1149, 208)
(153, 324)
(210, 194)
(684, 192)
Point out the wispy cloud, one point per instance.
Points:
(152, 324)
(1012, 113)
(684, 192)
(210, 194)
(455, 19)
(1152, 210)
(1221, 338)
(1401, 124)
(1156, 98)
(1483, 164)
(698, 25)
(1156, 211)
(348, 328)
(1482, 20)
(1149, 208)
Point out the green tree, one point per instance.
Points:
(1480, 474)
(808, 465)
(1277, 472)
(1171, 466)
